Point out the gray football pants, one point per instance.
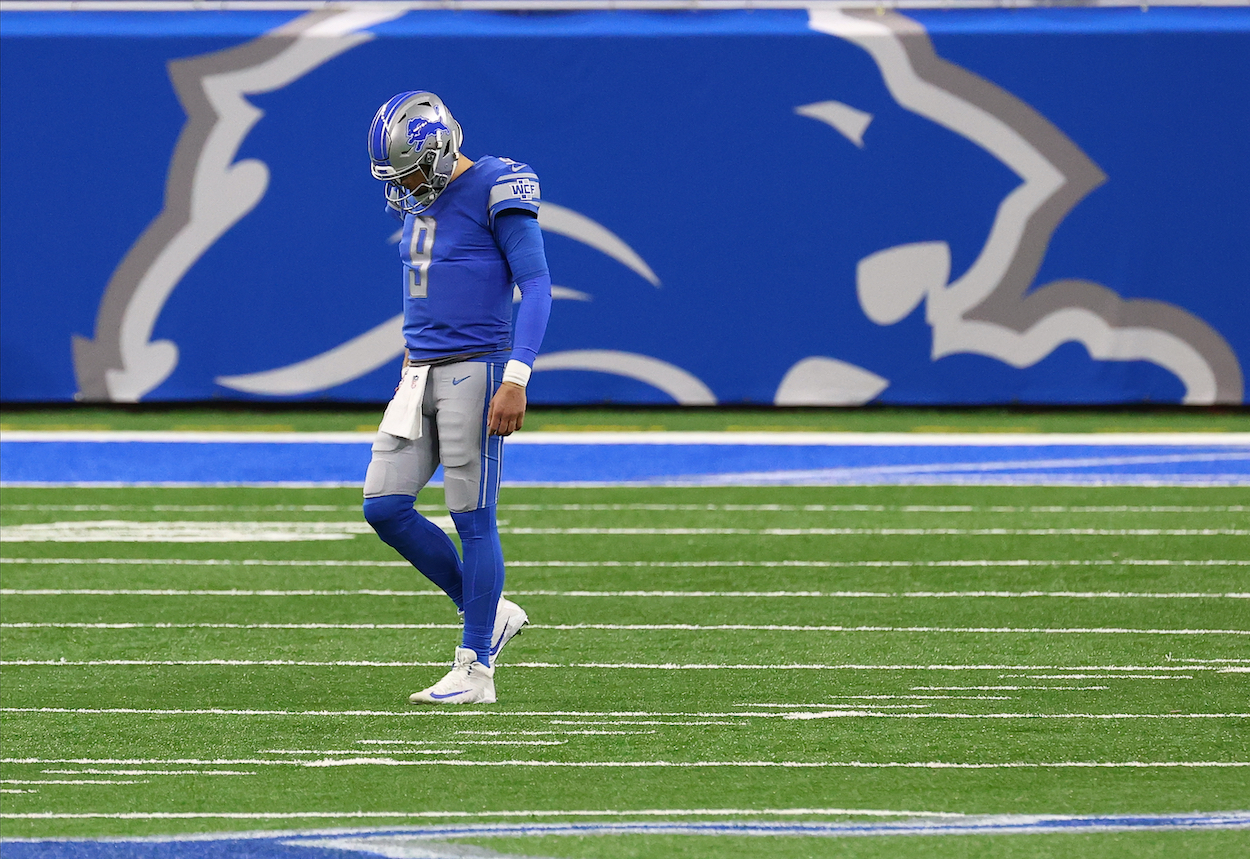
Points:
(453, 434)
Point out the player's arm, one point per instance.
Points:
(521, 240)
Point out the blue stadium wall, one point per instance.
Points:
(740, 207)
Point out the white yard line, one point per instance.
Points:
(645, 628)
(1171, 659)
(672, 437)
(393, 743)
(742, 717)
(548, 733)
(1010, 688)
(639, 627)
(146, 772)
(926, 697)
(1101, 676)
(641, 507)
(662, 594)
(638, 666)
(360, 751)
(337, 762)
(193, 531)
(455, 815)
(70, 781)
(877, 532)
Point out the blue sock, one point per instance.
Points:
(422, 543)
(483, 577)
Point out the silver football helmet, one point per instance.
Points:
(412, 132)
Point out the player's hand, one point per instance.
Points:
(507, 409)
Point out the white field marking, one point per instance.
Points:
(214, 508)
(673, 437)
(425, 712)
(146, 772)
(801, 564)
(625, 666)
(393, 743)
(301, 815)
(70, 781)
(875, 532)
(851, 706)
(123, 531)
(639, 627)
(16, 790)
(926, 697)
(1010, 688)
(360, 751)
(208, 562)
(343, 762)
(854, 508)
(643, 722)
(639, 666)
(872, 714)
(241, 592)
(574, 508)
(1101, 676)
(553, 733)
(1205, 661)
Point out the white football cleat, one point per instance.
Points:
(510, 618)
(468, 682)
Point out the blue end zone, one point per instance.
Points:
(219, 459)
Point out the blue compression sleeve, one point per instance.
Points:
(520, 238)
(483, 577)
(422, 543)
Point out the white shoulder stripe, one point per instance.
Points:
(520, 189)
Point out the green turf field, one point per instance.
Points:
(970, 650)
(251, 417)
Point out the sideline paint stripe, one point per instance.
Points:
(674, 437)
(826, 714)
(130, 531)
(633, 666)
(692, 508)
(441, 815)
(240, 592)
(374, 841)
(437, 762)
(957, 562)
(645, 627)
(643, 666)
(740, 716)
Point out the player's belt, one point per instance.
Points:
(409, 361)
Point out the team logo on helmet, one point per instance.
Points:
(420, 129)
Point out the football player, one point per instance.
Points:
(470, 233)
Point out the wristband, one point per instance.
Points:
(517, 372)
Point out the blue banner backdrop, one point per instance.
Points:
(790, 207)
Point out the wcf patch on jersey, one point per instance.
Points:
(524, 189)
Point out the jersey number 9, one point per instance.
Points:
(420, 253)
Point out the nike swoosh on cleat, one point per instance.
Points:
(458, 381)
(495, 647)
(449, 694)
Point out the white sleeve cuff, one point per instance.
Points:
(517, 372)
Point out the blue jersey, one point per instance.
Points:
(457, 284)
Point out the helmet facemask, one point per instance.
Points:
(414, 133)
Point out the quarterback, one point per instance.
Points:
(470, 234)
